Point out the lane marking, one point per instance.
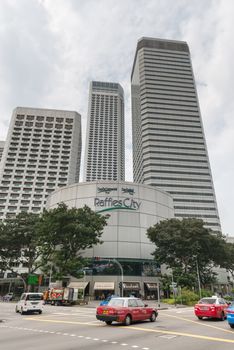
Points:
(63, 321)
(148, 330)
(200, 323)
(190, 335)
(72, 335)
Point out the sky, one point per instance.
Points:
(50, 50)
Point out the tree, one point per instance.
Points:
(56, 239)
(19, 244)
(66, 233)
(228, 258)
(185, 245)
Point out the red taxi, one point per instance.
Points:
(125, 310)
(212, 307)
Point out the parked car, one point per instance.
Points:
(212, 307)
(230, 315)
(30, 302)
(8, 297)
(125, 310)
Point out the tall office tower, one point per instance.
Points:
(2, 144)
(42, 152)
(104, 151)
(169, 148)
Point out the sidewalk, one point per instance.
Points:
(150, 303)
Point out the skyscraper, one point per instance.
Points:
(104, 151)
(2, 144)
(42, 152)
(169, 148)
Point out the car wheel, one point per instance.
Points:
(21, 311)
(153, 317)
(108, 323)
(127, 320)
(222, 318)
(199, 317)
(231, 325)
(16, 309)
(40, 312)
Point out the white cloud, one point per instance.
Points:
(51, 50)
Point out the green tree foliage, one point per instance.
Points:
(228, 258)
(19, 244)
(66, 233)
(184, 245)
(56, 239)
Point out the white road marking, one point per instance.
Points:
(72, 335)
(168, 336)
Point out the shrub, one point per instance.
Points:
(187, 297)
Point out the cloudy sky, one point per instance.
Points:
(51, 49)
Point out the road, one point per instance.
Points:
(74, 328)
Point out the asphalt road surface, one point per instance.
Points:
(74, 328)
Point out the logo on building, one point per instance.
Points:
(112, 204)
(128, 190)
(106, 190)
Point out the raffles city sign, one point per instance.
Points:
(110, 203)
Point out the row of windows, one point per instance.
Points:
(178, 185)
(176, 153)
(42, 118)
(195, 208)
(174, 160)
(161, 138)
(173, 131)
(167, 123)
(179, 179)
(201, 200)
(181, 193)
(172, 172)
(197, 215)
(167, 88)
(177, 148)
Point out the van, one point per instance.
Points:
(30, 302)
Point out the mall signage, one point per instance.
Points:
(109, 202)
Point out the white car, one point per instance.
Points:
(30, 302)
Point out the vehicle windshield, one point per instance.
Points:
(34, 297)
(207, 301)
(116, 302)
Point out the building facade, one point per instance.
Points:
(42, 152)
(133, 208)
(104, 151)
(2, 144)
(169, 147)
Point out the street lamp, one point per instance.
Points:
(198, 279)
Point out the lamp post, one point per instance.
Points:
(198, 279)
(121, 269)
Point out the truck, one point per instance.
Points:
(64, 296)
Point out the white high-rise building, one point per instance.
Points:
(2, 144)
(42, 152)
(169, 148)
(104, 151)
